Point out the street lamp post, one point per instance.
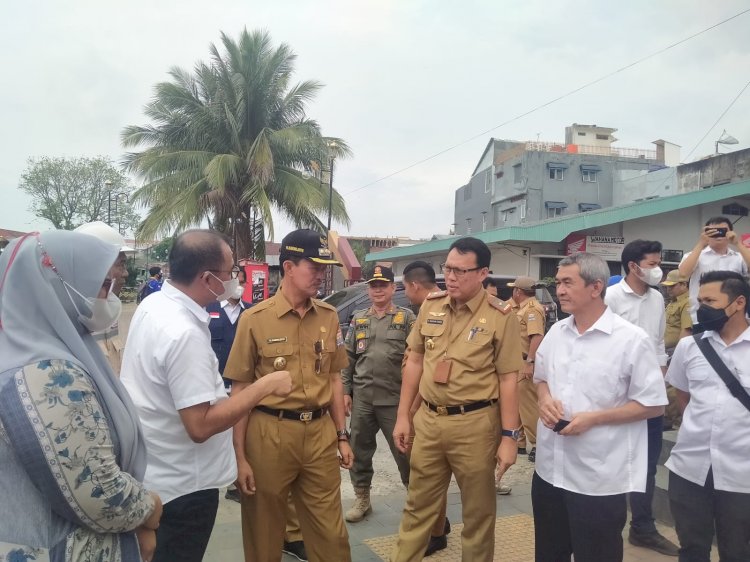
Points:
(108, 187)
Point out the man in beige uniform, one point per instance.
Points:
(292, 442)
(375, 344)
(677, 326)
(530, 316)
(464, 351)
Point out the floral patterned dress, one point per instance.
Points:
(54, 433)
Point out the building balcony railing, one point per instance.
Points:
(638, 153)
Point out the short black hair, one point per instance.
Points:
(490, 281)
(196, 251)
(476, 246)
(719, 220)
(155, 270)
(733, 284)
(637, 250)
(420, 272)
(286, 257)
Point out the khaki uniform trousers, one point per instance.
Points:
(528, 408)
(464, 445)
(302, 457)
(293, 531)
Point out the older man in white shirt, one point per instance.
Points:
(636, 300)
(598, 381)
(709, 481)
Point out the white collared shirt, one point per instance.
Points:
(168, 366)
(715, 425)
(645, 311)
(607, 366)
(712, 261)
(232, 310)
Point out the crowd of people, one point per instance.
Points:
(121, 456)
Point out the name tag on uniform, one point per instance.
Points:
(276, 340)
(442, 372)
(434, 321)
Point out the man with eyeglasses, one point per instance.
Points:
(296, 442)
(172, 375)
(464, 352)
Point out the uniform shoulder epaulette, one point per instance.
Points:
(263, 305)
(323, 304)
(436, 295)
(502, 306)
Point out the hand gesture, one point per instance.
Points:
(278, 383)
(346, 456)
(245, 478)
(579, 423)
(550, 411)
(403, 434)
(506, 456)
(146, 543)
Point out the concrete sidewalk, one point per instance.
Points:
(226, 541)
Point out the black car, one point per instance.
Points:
(355, 297)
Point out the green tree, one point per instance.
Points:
(231, 141)
(160, 252)
(71, 191)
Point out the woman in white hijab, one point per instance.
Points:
(72, 456)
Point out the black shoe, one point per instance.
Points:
(654, 541)
(447, 528)
(532, 455)
(522, 450)
(233, 494)
(435, 544)
(296, 549)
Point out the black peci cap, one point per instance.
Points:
(308, 244)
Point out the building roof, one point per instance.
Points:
(555, 230)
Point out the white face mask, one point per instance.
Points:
(651, 276)
(229, 288)
(238, 292)
(104, 312)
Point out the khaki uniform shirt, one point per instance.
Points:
(481, 341)
(375, 347)
(530, 316)
(272, 333)
(677, 318)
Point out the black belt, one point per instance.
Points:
(463, 409)
(294, 414)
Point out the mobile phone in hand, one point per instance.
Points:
(560, 425)
(720, 232)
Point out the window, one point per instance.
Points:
(554, 212)
(581, 134)
(488, 181)
(555, 208)
(556, 174)
(522, 208)
(734, 209)
(467, 192)
(602, 137)
(588, 176)
(517, 173)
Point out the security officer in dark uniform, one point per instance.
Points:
(375, 344)
(293, 443)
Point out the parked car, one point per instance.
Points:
(355, 297)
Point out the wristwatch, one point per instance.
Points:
(512, 433)
(343, 435)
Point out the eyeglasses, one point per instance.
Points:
(234, 272)
(458, 272)
(318, 348)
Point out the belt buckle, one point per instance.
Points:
(305, 416)
(442, 410)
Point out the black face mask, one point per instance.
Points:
(712, 318)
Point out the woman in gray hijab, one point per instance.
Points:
(72, 456)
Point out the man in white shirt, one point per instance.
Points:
(712, 253)
(172, 375)
(709, 480)
(635, 300)
(598, 381)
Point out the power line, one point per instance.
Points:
(550, 102)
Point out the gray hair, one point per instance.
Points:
(592, 268)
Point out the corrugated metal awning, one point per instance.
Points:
(557, 166)
(590, 168)
(555, 204)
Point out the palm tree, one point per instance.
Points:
(231, 141)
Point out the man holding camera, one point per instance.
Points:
(711, 253)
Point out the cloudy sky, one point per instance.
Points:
(404, 80)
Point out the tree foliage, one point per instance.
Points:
(229, 143)
(71, 191)
(160, 252)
